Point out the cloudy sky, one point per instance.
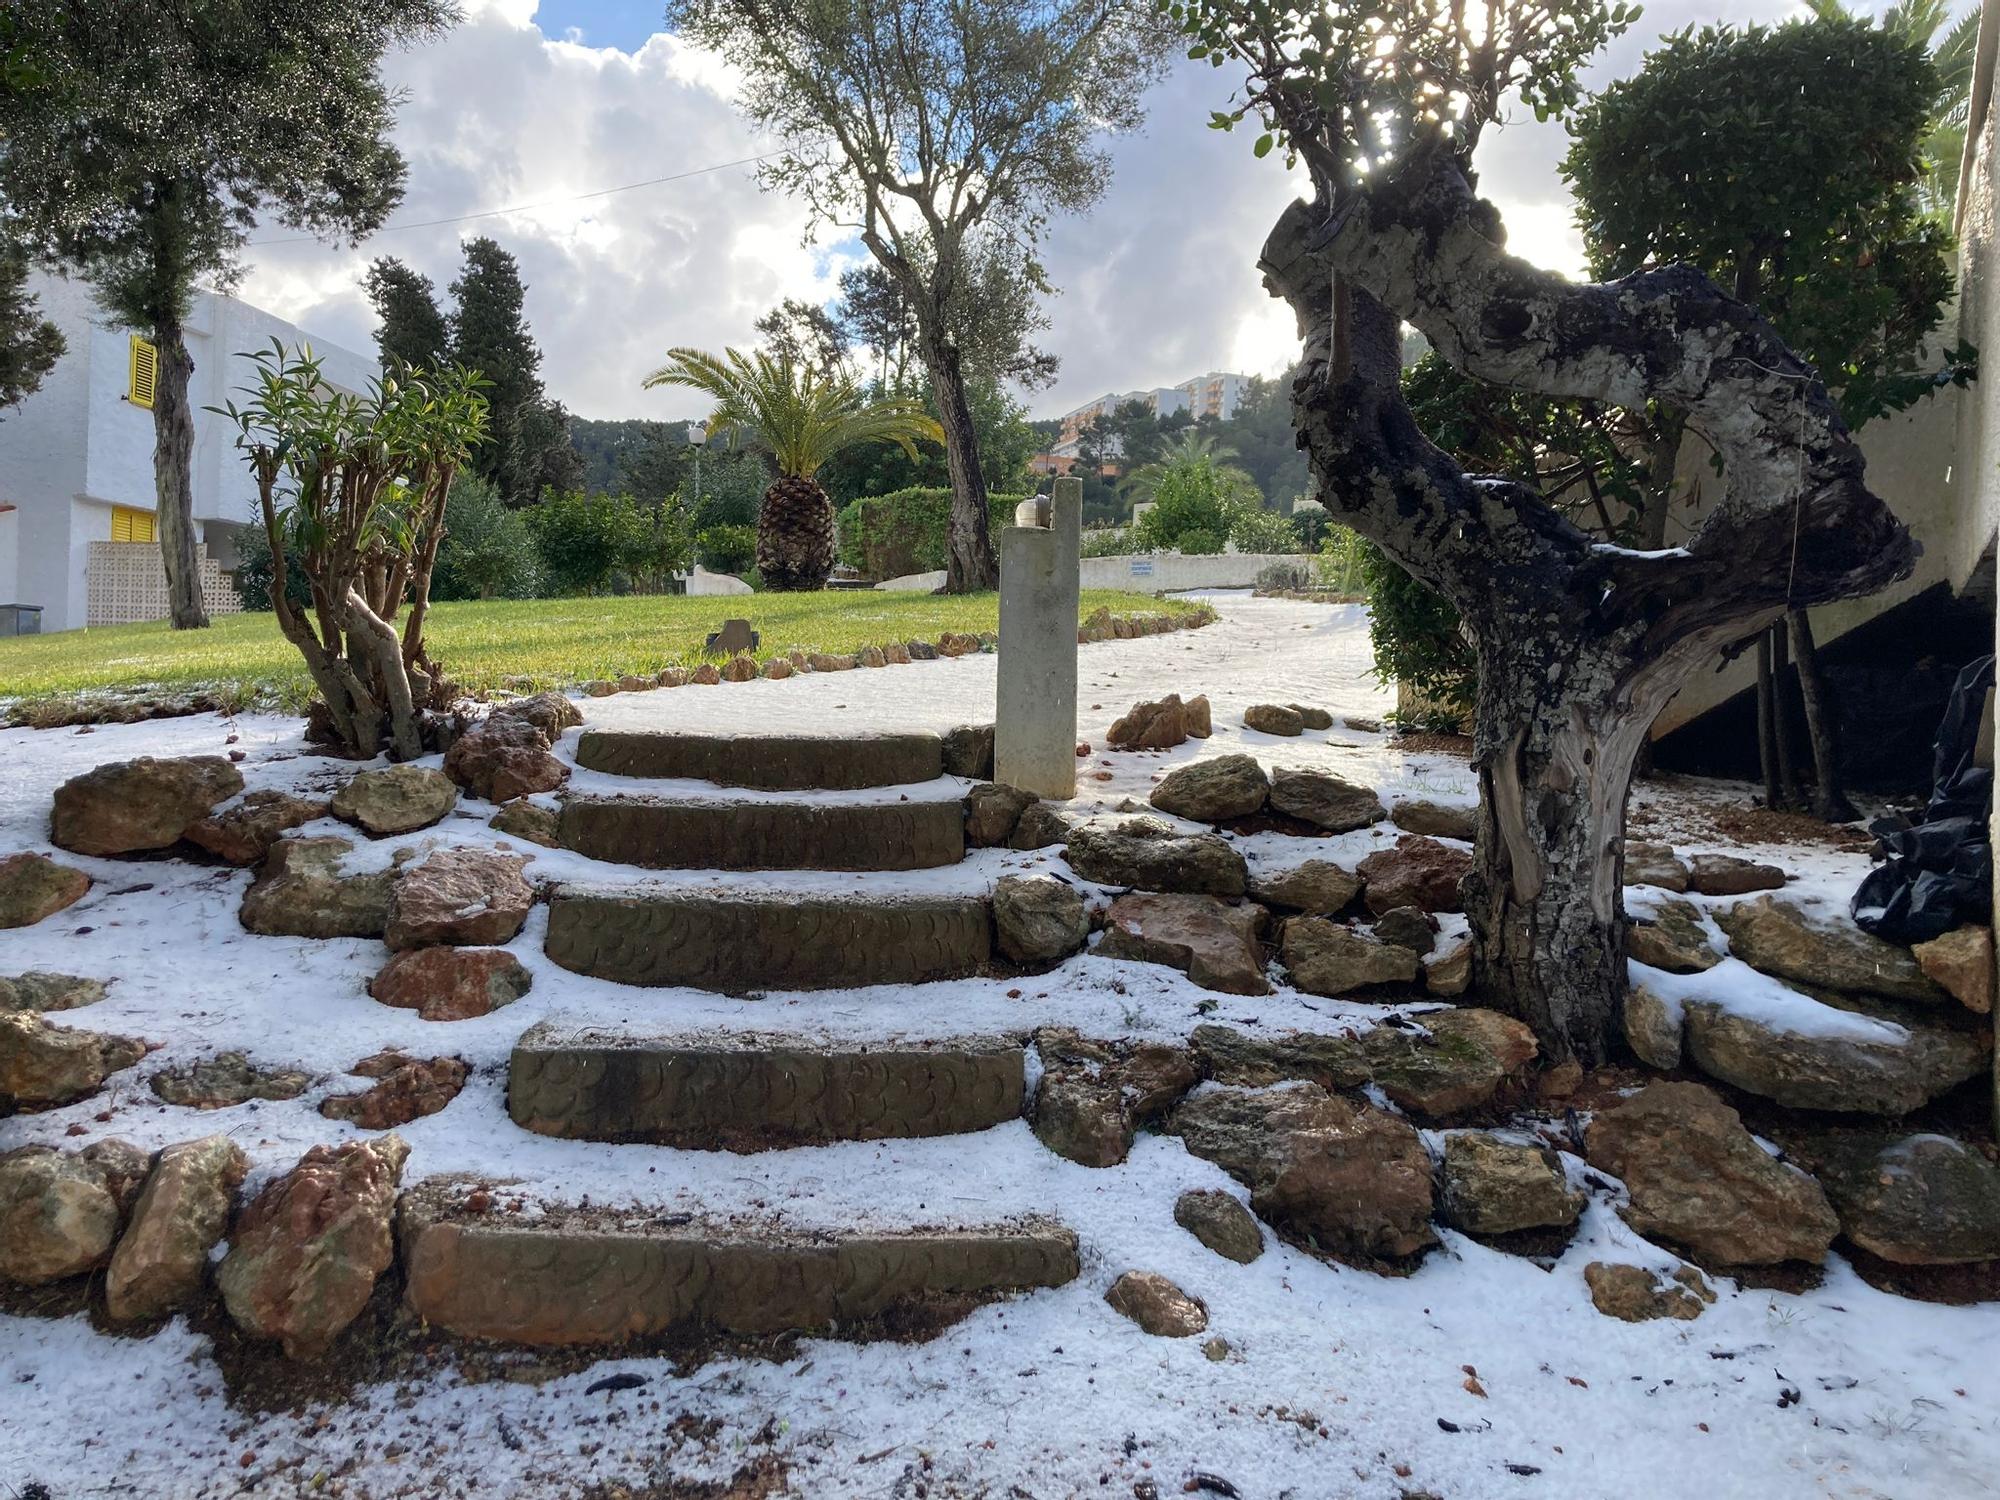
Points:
(526, 105)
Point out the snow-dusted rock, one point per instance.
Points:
(243, 832)
(1145, 854)
(301, 892)
(992, 810)
(1220, 1222)
(34, 887)
(182, 1214)
(406, 1089)
(44, 1065)
(1671, 937)
(1728, 875)
(396, 799)
(1436, 819)
(1094, 1095)
(133, 805)
(38, 990)
(1325, 800)
(1778, 938)
(1488, 1186)
(463, 896)
(1633, 1294)
(1213, 790)
(1157, 1305)
(1417, 872)
(1211, 941)
(1325, 958)
(1318, 887)
(58, 1215)
(1919, 1200)
(451, 984)
(1038, 920)
(226, 1080)
(1655, 865)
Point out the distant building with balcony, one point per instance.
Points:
(1215, 395)
(78, 535)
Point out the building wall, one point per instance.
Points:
(79, 446)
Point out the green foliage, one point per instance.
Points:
(890, 536)
(1107, 541)
(802, 415)
(727, 549)
(731, 489)
(584, 539)
(410, 329)
(30, 344)
(255, 568)
(488, 551)
(1784, 162)
(1340, 566)
(1005, 441)
(1200, 504)
(1258, 530)
(1416, 637)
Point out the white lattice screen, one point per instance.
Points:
(128, 583)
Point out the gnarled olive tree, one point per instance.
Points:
(1580, 643)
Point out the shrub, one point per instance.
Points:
(1107, 541)
(1199, 543)
(584, 540)
(1341, 563)
(1291, 573)
(1255, 529)
(487, 551)
(254, 569)
(727, 549)
(732, 488)
(888, 536)
(1193, 510)
(1416, 637)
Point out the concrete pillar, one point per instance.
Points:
(1034, 734)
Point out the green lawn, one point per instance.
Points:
(243, 659)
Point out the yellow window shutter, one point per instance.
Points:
(129, 525)
(145, 372)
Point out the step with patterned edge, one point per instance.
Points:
(657, 833)
(779, 763)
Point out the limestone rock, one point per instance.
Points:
(1319, 887)
(226, 1080)
(451, 984)
(1325, 958)
(1655, 865)
(306, 1251)
(1157, 1305)
(777, 669)
(1313, 718)
(505, 757)
(1038, 920)
(1492, 1187)
(1920, 1200)
(34, 887)
(1778, 938)
(992, 809)
(1221, 1223)
(1213, 790)
(1448, 972)
(1961, 962)
(395, 799)
(1653, 1026)
(597, 687)
(968, 749)
(1040, 827)
(181, 1215)
(1887, 1069)
(133, 805)
(1632, 1294)
(744, 668)
(243, 832)
(300, 892)
(43, 1065)
(473, 897)
(1094, 1095)
(1146, 855)
(707, 675)
(1344, 1175)
(829, 661)
(1436, 820)
(406, 1089)
(1325, 800)
(530, 822)
(1200, 721)
(1212, 942)
(1447, 1062)
(1407, 927)
(1274, 718)
(925, 651)
(58, 1217)
(1727, 875)
(1418, 872)
(550, 713)
(38, 990)
(1672, 938)
(1150, 726)
(1698, 1179)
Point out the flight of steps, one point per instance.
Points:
(579, 1275)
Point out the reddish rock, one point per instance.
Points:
(133, 805)
(1157, 1305)
(307, 1250)
(406, 1089)
(34, 887)
(705, 675)
(1200, 722)
(451, 984)
(244, 832)
(1094, 1095)
(1211, 941)
(506, 757)
(1962, 963)
(742, 669)
(473, 897)
(1418, 872)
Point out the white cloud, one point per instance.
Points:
(1158, 283)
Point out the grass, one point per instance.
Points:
(242, 659)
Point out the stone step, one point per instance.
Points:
(587, 1277)
(735, 943)
(747, 1092)
(778, 763)
(666, 834)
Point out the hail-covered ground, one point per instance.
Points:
(1336, 1382)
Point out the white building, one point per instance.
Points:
(77, 533)
(1214, 395)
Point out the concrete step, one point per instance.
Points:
(779, 763)
(588, 1277)
(747, 1092)
(735, 943)
(669, 834)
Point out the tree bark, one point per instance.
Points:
(173, 476)
(1822, 725)
(1781, 722)
(971, 565)
(1767, 717)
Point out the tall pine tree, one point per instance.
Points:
(413, 330)
(489, 333)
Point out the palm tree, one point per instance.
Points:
(1953, 46)
(804, 416)
(1191, 447)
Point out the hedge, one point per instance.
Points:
(888, 536)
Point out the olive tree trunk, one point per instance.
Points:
(971, 565)
(1580, 643)
(173, 475)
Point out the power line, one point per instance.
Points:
(522, 208)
